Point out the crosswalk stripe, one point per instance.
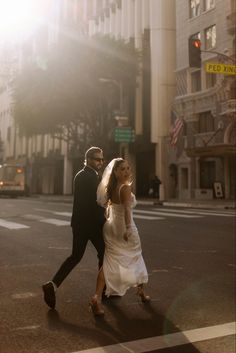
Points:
(166, 341)
(166, 214)
(54, 221)
(197, 212)
(12, 225)
(147, 217)
(66, 214)
(150, 214)
(33, 217)
(222, 211)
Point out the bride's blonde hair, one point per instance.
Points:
(112, 182)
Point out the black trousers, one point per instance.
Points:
(80, 240)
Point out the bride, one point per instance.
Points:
(123, 264)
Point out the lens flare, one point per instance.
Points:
(20, 18)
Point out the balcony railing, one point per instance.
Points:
(228, 107)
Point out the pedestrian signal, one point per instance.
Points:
(194, 52)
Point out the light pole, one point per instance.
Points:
(122, 120)
(120, 87)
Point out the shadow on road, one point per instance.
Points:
(125, 327)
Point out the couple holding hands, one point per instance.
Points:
(102, 213)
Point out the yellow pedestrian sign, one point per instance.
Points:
(224, 69)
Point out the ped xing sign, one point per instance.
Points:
(215, 68)
(124, 134)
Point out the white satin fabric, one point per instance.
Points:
(123, 263)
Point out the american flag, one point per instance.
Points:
(176, 127)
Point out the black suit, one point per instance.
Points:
(87, 222)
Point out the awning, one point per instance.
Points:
(211, 151)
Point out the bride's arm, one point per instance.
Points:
(126, 201)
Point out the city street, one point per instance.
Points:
(190, 256)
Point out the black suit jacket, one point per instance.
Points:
(87, 214)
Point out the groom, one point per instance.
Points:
(87, 221)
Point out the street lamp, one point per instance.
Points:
(120, 87)
(121, 119)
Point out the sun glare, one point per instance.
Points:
(19, 18)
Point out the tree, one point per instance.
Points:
(67, 99)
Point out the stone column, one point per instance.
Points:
(162, 37)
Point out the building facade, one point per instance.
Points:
(166, 88)
(150, 26)
(202, 164)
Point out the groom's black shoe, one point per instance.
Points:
(49, 294)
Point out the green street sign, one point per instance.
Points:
(124, 134)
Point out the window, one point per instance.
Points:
(210, 80)
(210, 37)
(194, 8)
(209, 4)
(205, 122)
(196, 81)
(196, 36)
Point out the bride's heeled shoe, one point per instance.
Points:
(144, 298)
(96, 306)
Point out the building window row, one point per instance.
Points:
(209, 37)
(195, 7)
(206, 122)
(5, 113)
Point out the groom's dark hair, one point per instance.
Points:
(91, 151)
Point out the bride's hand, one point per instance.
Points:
(127, 234)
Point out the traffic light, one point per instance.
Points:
(194, 52)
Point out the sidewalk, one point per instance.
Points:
(215, 204)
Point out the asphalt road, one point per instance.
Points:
(190, 256)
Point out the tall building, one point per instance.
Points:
(202, 162)
(150, 26)
(183, 117)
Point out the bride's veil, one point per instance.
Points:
(101, 190)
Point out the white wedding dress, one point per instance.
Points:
(123, 264)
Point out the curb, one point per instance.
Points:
(200, 205)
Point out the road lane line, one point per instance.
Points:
(32, 217)
(204, 213)
(55, 222)
(12, 225)
(66, 214)
(166, 341)
(152, 218)
(215, 210)
(166, 214)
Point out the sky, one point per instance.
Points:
(20, 18)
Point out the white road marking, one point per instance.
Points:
(146, 217)
(55, 222)
(25, 295)
(33, 217)
(43, 210)
(58, 248)
(66, 214)
(12, 225)
(32, 327)
(166, 214)
(166, 341)
(197, 212)
(215, 211)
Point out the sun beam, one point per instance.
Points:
(20, 18)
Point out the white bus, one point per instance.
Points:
(12, 180)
